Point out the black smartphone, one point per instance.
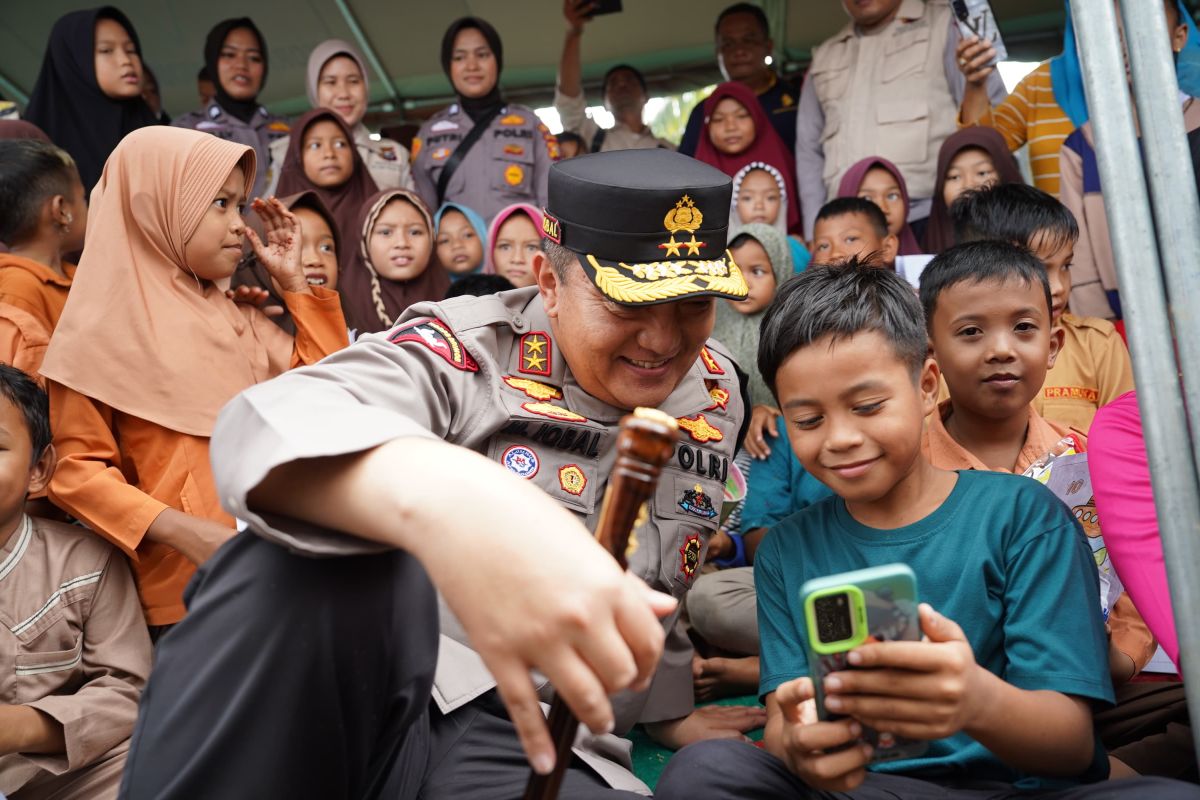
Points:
(602, 7)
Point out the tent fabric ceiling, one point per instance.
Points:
(671, 42)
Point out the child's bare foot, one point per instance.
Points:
(714, 678)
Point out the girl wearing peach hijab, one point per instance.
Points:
(150, 345)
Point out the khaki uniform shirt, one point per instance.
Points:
(73, 645)
(1092, 370)
(385, 159)
(510, 162)
(486, 373)
(263, 129)
(573, 113)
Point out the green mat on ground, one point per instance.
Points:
(649, 759)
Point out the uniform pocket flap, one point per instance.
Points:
(51, 661)
(901, 110)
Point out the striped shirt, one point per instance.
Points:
(1030, 115)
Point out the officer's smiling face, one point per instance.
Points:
(626, 356)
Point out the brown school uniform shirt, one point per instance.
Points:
(116, 472)
(1092, 370)
(1129, 631)
(32, 297)
(73, 645)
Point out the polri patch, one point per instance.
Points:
(535, 353)
(440, 154)
(572, 480)
(700, 429)
(520, 461)
(553, 412)
(689, 556)
(533, 389)
(710, 363)
(512, 119)
(436, 336)
(388, 153)
(513, 174)
(514, 150)
(696, 502)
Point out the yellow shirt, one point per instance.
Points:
(1031, 115)
(1091, 370)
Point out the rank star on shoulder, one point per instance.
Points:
(535, 345)
(535, 362)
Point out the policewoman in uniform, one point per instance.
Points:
(235, 54)
(481, 151)
(534, 381)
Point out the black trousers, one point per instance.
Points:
(295, 677)
(725, 770)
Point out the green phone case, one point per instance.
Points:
(883, 608)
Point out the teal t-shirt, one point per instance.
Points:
(1002, 557)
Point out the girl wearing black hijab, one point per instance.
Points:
(89, 92)
(235, 55)
(480, 151)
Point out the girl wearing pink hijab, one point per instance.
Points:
(879, 180)
(514, 237)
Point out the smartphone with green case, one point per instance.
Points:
(843, 611)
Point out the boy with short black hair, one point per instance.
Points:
(1014, 656)
(1093, 367)
(988, 313)
(849, 227)
(74, 651)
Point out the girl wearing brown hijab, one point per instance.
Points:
(322, 159)
(972, 158)
(150, 346)
(393, 265)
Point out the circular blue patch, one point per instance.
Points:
(520, 460)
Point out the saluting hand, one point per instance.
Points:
(281, 252)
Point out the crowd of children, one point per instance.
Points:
(899, 355)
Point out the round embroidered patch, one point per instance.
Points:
(572, 480)
(520, 460)
(513, 175)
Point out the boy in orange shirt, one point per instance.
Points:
(1093, 367)
(43, 215)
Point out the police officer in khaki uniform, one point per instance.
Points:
(534, 381)
(235, 54)
(480, 151)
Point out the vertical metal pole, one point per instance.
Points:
(1144, 301)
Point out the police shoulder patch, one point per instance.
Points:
(720, 398)
(435, 335)
(572, 480)
(535, 353)
(689, 556)
(520, 461)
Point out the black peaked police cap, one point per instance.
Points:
(649, 226)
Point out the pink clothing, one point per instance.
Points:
(1125, 503)
(535, 216)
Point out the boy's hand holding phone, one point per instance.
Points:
(929, 689)
(828, 756)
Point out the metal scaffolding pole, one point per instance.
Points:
(1144, 299)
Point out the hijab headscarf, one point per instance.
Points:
(371, 302)
(242, 109)
(1066, 75)
(739, 332)
(477, 224)
(252, 273)
(939, 235)
(168, 348)
(20, 129)
(67, 102)
(320, 56)
(343, 202)
(780, 223)
(535, 216)
(768, 147)
(475, 107)
(854, 178)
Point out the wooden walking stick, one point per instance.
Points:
(645, 443)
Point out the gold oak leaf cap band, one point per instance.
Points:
(649, 226)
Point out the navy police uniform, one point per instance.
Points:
(353, 637)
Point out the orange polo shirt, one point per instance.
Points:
(116, 472)
(32, 297)
(1129, 631)
(1092, 370)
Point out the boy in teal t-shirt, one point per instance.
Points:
(1013, 657)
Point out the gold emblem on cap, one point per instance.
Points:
(651, 283)
(687, 218)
